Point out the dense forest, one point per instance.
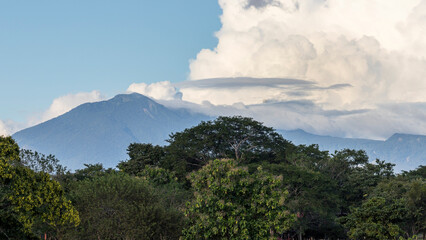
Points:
(231, 178)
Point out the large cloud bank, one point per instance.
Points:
(376, 46)
(339, 67)
(295, 107)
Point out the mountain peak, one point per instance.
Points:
(102, 131)
(130, 97)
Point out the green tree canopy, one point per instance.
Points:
(411, 191)
(231, 203)
(142, 155)
(32, 201)
(239, 138)
(41, 163)
(376, 218)
(119, 206)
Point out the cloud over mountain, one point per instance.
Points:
(338, 67)
(8, 127)
(3, 129)
(65, 103)
(373, 45)
(159, 90)
(58, 107)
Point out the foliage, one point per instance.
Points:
(413, 193)
(240, 138)
(355, 176)
(231, 203)
(141, 155)
(39, 162)
(10, 227)
(376, 218)
(173, 193)
(9, 150)
(32, 201)
(419, 172)
(313, 197)
(39, 200)
(318, 195)
(118, 206)
(9, 156)
(159, 176)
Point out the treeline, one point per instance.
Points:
(231, 178)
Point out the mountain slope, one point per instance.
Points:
(405, 150)
(101, 131)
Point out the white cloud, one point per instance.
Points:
(159, 90)
(4, 131)
(377, 46)
(363, 63)
(64, 104)
(228, 91)
(379, 123)
(9, 127)
(58, 107)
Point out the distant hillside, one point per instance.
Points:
(101, 131)
(405, 150)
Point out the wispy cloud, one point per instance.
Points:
(4, 129)
(375, 123)
(65, 103)
(246, 90)
(58, 107)
(8, 127)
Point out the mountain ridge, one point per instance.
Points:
(101, 132)
(407, 151)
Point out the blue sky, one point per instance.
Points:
(52, 48)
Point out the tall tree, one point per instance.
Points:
(231, 203)
(410, 191)
(239, 138)
(31, 199)
(41, 163)
(119, 206)
(313, 197)
(376, 218)
(142, 155)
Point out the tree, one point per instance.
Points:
(118, 206)
(419, 172)
(39, 162)
(231, 203)
(411, 191)
(32, 201)
(240, 138)
(355, 176)
(173, 193)
(142, 155)
(40, 203)
(376, 218)
(313, 197)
